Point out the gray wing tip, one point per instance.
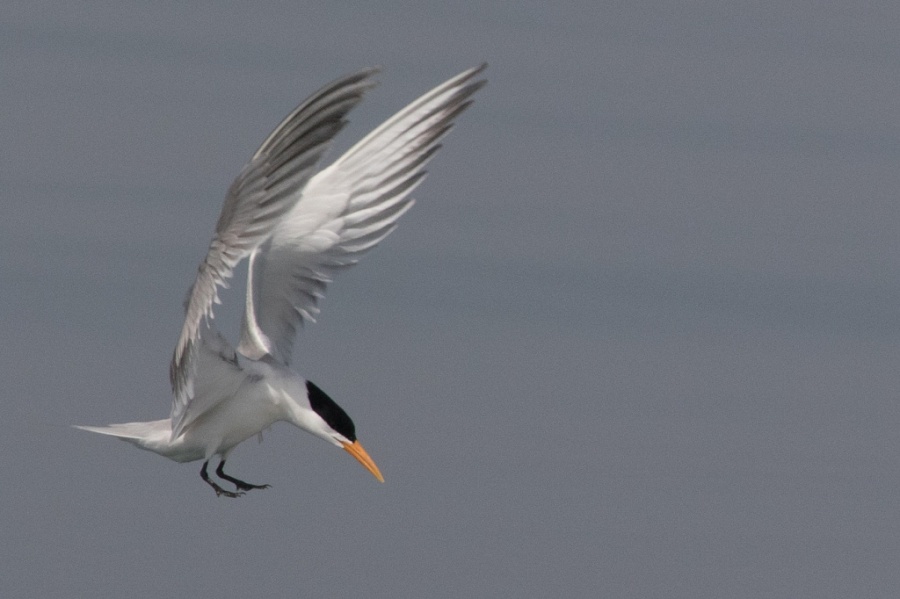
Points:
(370, 71)
(474, 72)
(362, 76)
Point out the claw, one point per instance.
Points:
(219, 490)
(243, 486)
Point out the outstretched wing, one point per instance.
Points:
(264, 191)
(345, 210)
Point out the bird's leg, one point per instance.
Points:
(219, 490)
(237, 482)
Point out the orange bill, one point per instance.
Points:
(356, 450)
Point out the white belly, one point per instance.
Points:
(232, 422)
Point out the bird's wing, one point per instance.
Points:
(345, 210)
(264, 191)
(217, 377)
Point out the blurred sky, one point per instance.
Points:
(638, 338)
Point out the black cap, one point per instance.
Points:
(333, 414)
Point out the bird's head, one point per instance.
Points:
(336, 426)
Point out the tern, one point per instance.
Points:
(296, 226)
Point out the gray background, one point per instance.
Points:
(639, 338)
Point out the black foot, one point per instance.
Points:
(219, 490)
(243, 486)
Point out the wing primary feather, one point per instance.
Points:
(345, 210)
(412, 108)
(356, 84)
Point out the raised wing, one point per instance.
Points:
(264, 191)
(345, 210)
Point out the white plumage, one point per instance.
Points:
(296, 227)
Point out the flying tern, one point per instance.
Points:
(296, 226)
